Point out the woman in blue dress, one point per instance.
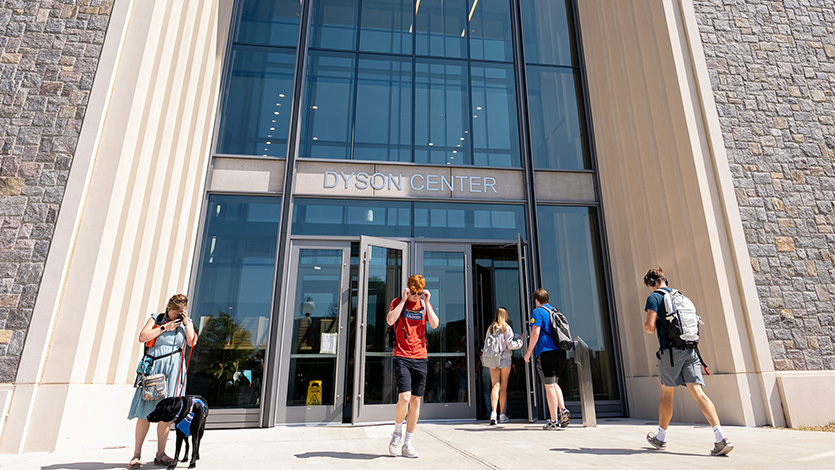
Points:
(170, 332)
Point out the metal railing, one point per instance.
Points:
(582, 359)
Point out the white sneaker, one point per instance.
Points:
(492, 418)
(409, 451)
(395, 444)
(503, 418)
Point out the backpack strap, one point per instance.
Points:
(704, 366)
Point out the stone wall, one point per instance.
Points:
(49, 52)
(772, 67)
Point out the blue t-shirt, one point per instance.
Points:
(542, 318)
(655, 302)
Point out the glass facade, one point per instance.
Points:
(416, 83)
(231, 301)
(400, 219)
(572, 263)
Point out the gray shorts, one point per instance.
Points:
(686, 368)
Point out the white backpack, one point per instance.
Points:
(682, 321)
(491, 354)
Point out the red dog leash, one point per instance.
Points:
(178, 386)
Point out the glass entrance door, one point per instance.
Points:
(382, 277)
(526, 294)
(315, 339)
(450, 391)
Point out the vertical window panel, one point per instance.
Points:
(490, 30)
(495, 123)
(387, 26)
(231, 303)
(275, 23)
(548, 33)
(383, 129)
(334, 24)
(256, 112)
(327, 109)
(441, 28)
(571, 264)
(558, 135)
(442, 118)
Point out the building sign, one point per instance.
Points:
(416, 182)
(353, 179)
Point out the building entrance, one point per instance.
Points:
(337, 357)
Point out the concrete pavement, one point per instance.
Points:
(616, 443)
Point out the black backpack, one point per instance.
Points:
(559, 330)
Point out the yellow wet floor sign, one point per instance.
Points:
(314, 393)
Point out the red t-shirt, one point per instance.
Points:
(410, 330)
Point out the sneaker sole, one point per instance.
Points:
(727, 450)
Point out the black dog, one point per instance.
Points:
(189, 417)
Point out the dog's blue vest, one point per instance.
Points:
(184, 426)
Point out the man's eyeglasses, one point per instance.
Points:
(416, 293)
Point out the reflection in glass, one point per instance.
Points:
(385, 268)
(386, 26)
(333, 24)
(572, 274)
(441, 28)
(547, 31)
(328, 105)
(231, 304)
(256, 110)
(442, 120)
(275, 23)
(490, 30)
(558, 137)
(495, 127)
(315, 324)
(446, 281)
(406, 219)
(383, 129)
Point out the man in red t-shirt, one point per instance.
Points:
(409, 316)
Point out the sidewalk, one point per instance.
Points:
(615, 443)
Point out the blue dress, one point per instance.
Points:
(170, 366)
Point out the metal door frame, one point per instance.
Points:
(314, 414)
(362, 413)
(465, 410)
(526, 299)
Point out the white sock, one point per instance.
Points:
(398, 428)
(717, 432)
(408, 437)
(661, 435)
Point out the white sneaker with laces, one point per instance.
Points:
(503, 418)
(409, 451)
(395, 444)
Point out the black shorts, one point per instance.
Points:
(549, 366)
(410, 375)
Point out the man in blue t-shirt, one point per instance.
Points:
(684, 369)
(550, 360)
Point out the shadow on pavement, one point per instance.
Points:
(499, 428)
(340, 455)
(87, 466)
(642, 450)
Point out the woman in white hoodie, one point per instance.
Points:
(496, 356)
